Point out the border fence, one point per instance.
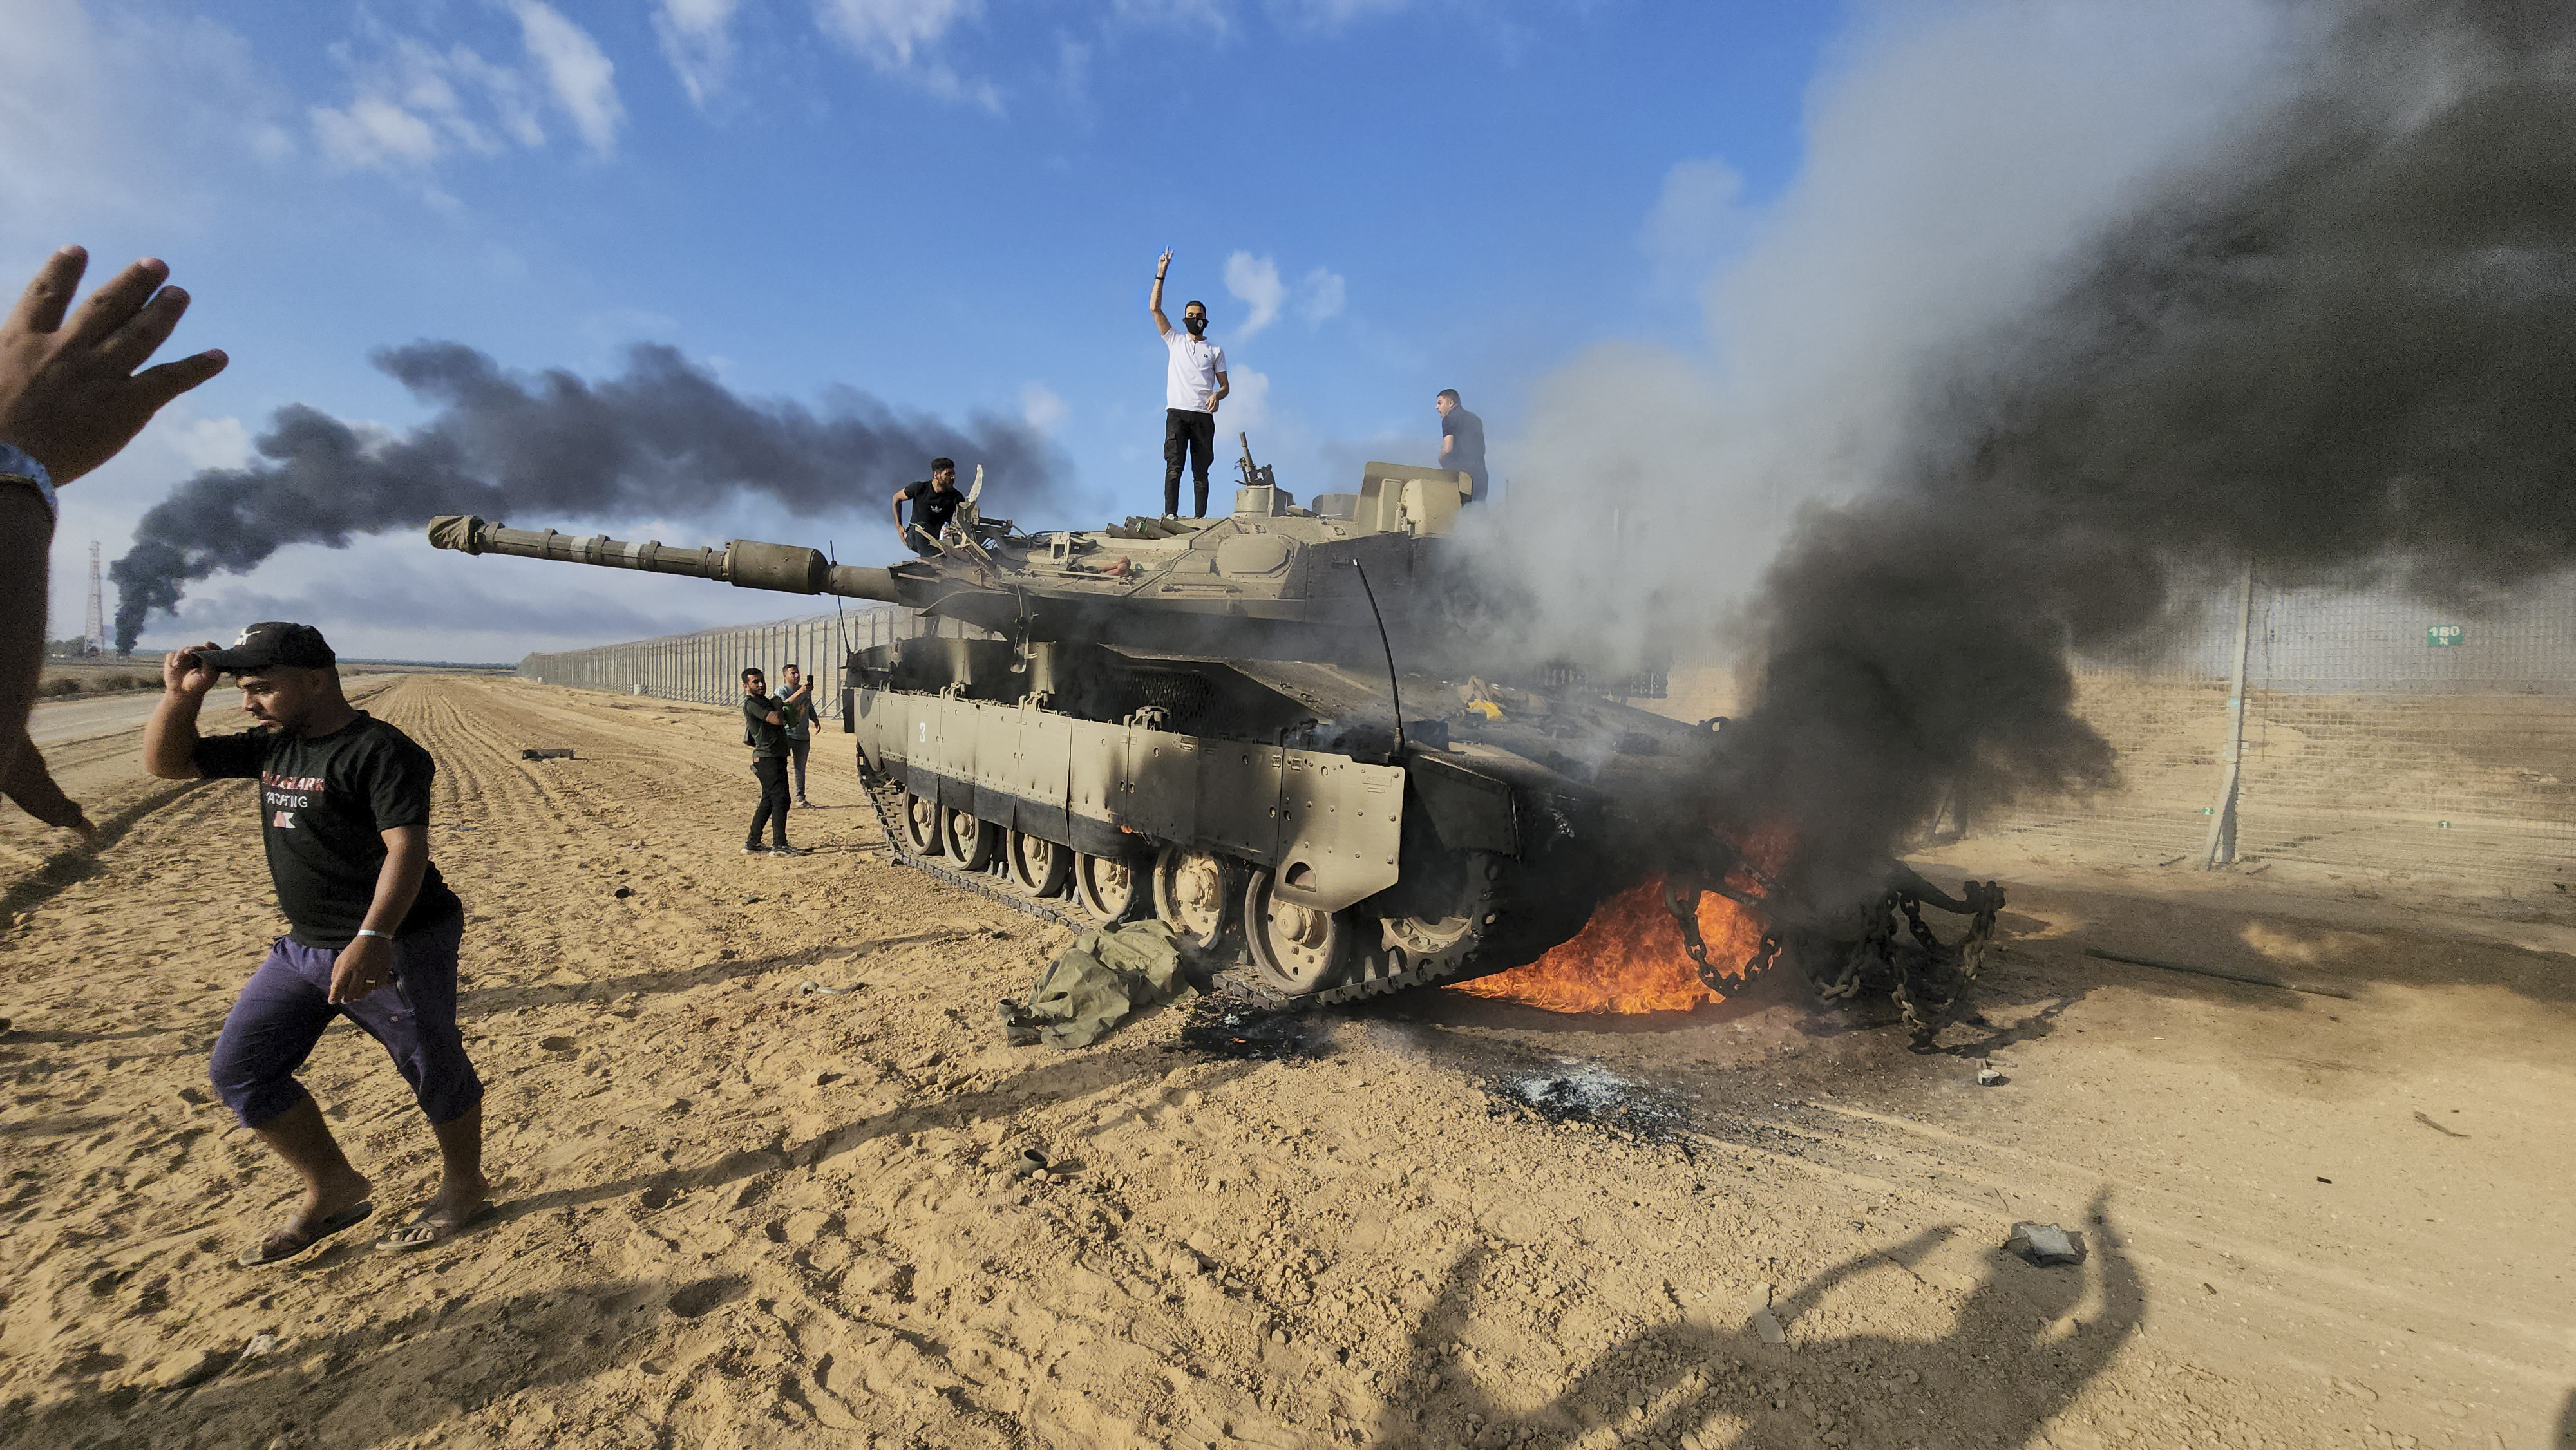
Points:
(2375, 734)
(706, 667)
(2378, 735)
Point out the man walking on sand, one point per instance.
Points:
(1194, 382)
(796, 717)
(372, 928)
(764, 729)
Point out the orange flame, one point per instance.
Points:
(1629, 958)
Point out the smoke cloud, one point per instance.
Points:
(663, 437)
(2320, 313)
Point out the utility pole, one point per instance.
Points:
(2222, 817)
(94, 628)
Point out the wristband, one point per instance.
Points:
(18, 466)
(371, 931)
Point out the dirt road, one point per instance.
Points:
(741, 1209)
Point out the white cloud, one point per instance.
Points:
(1331, 14)
(1321, 296)
(1254, 281)
(898, 38)
(697, 39)
(583, 78)
(117, 114)
(1212, 14)
(1041, 408)
(416, 103)
(1696, 219)
(1247, 401)
(373, 131)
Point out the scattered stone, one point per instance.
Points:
(555, 1044)
(2045, 1244)
(676, 1105)
(265, 1342)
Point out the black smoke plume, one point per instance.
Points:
(2345, 348)
(664, 437)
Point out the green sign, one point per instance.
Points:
(2437, 636)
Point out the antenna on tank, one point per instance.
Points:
(1392, 692)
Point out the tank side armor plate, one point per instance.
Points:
(1330, 827)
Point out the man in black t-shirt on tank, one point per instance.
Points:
(372, 928)
(934, 502)
(1462, 442)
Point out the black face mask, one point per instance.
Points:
(1196, 325)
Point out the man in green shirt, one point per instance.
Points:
(796, 716)
(765, 731)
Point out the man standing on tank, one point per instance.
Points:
(934, 503)
(372, 929)
(1194, 382)
(764, 729)
(1462, 442)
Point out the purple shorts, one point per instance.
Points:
(287, 1003)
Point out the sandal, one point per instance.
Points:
(429, 1231)
(286, 1243)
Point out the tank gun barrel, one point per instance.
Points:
(743, 563)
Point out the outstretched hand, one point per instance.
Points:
(69, 393)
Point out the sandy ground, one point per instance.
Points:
(740, 1210)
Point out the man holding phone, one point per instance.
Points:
(796, 717)
(372, 931)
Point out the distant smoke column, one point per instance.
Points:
(2346, 348)
(663, 438)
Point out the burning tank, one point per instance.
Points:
(1269, 725)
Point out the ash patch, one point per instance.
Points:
(1232, 1027)
(1578, 1090)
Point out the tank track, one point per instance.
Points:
(1501, 935)
(1499, 939)
(982, 884)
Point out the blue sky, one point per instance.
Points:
(950, 205)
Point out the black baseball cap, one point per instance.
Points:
(270, 643)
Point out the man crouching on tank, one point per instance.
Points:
(372, 930)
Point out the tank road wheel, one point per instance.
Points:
(1192, 891)
(1038, 865)
(1296, 949)
(920, 826)
(972, 844)
(1106, 886)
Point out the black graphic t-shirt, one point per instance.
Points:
(932, 507)
(324, 805)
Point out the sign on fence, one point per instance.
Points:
(2438, 635)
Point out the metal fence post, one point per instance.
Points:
(2221, 848)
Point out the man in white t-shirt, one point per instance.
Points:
(1193, 384)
